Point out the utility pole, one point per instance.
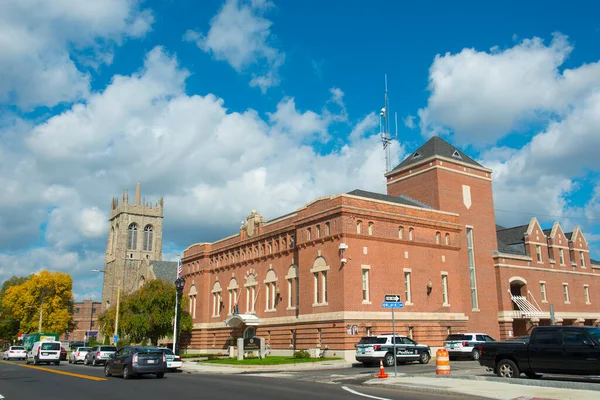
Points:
(41, 309)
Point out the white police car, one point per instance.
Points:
(372, 349)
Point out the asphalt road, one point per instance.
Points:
(77, 382)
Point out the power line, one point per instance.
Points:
(546, 215)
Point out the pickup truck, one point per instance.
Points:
(570, 350)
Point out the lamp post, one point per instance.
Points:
(179, 285)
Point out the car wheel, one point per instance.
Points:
(424, 357)
(35, 361)
(56, 362)
(160, 375)
(70, 361)
(85, 361)
(107, 371)
(475, 355)
(94, 363)
(27, 361)
(533, 375)
(507, 369)
(388, 360)
(126, 374)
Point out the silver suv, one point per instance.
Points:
(372, 349)
(465, 344)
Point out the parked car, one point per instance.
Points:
(136, 360)
(372, 349)
(75, 345)
(465, 344)
(173, 360)
(63, 354)
(572, 350)
(98, 355)
(47, 351)
(78, 354)
(14, 353)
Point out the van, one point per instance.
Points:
(46, 351)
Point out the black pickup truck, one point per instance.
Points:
(571, 350)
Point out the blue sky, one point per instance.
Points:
(225, 107)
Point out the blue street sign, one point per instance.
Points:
(392, 304)
(115, 338)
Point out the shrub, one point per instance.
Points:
(301, 354)
(106, 340)
(213, 356)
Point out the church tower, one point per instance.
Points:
(134, 240)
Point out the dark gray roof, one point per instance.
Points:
(436, 147)
(402, 199)
(511, 240)
(595, 262)
(165, 270)
(569, 235)
(547, 232)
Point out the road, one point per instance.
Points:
(76, 382)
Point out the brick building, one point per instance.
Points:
(315, 278)
(85, 316)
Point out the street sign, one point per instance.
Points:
(392, 304)
(115, 338)
(391, 297)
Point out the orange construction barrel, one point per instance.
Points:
(442, 362)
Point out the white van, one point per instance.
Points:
(46, 351)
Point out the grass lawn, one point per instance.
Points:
(271, 360)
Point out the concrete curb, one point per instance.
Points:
(421, 388)
(559, 384)
(238, 369)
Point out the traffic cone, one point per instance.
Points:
(382, 373)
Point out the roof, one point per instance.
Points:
(511, 240)
(165, 270)
(402, 199)
(594, 262)
(436, 147)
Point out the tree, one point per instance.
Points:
(9, 326)
(50, 292)
(146, 314)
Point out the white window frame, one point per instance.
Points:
(445, 294)
(411, 233)
(566, 293)
(358, 227)
(586, 294)
(538, 251)
(407, 286)
(472, 269)
(320, 285)
(582, 259)
(561, 256)
(400, 232)
(438, 238)
(543, 292)
(370, 228)
(366, 294)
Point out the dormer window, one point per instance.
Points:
(416, 155)
(456, 154)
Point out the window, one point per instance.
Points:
(407, 286)
(566, 292)
(358, 226)
(318, 231)
(400, 232)
(546, 337)
(270, 248)
(365, 284)
(308, 234)
(232, 289)
(447, 239)
(148, 233)
(250, 293)
(561, 255)
(327, 228)
(586, 293)
(582, 259)
(112, 240)
(217, 299)
(77, 310)
(456, 154)
(270, 289)
(543, 291)
(574, 338)
(292, 279)
(438, 238)
(445, 289)
(538, 250)
(319, 271)
(411, 232)
(132, 237)
(370, 228)
(472, 275)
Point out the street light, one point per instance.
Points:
(118, 302)
(179, 285)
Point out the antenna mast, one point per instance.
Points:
(384, 127)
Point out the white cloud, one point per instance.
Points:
(240, 35)
(483, 96)
(40, 38)
(409, 121)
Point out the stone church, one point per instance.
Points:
(134, 247)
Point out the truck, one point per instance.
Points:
(31, 338)
(569, 350)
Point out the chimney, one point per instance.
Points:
(138, 194)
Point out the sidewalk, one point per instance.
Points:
(491, 389)
(195, 367)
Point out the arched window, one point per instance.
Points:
(400, 232)
(370, 228)
(292, 279)
(232, 289)
(192, 294)
(447, 239)
(148, 235)
(319, 271)
(358, 226)
(438, 238)
(270, 287)
(217, 299)
(411, 234)
(132, 237)
(250, 285)
(141, 282)
(112, 240)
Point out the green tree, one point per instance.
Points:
(146, 314)
(50, 292)
(9, 325)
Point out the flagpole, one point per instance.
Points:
(176, 306)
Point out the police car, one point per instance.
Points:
(465, 344)
(372, 349)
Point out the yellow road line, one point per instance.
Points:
(92, 378)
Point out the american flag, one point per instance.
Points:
(179, 268)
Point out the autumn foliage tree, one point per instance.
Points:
(9, 326)
(146, 314)
(50, 291)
